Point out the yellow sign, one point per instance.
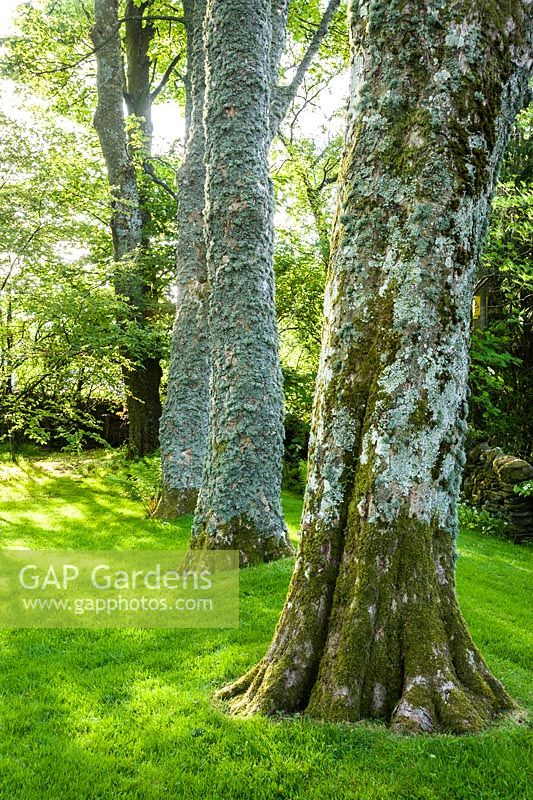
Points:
(476, 306)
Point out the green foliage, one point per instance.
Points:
(60, 339)
(481, 521)
(501, 377)
(300, 278)
(305, 183)
(304, 18)
(295, 455)
(294, 475)
(139, 480)
(305, 187)
(89, 330)
(304, 173)
(492, 391)
(63, 331)
(53, 53)
(524, 489)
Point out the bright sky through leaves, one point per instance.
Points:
(6, 16)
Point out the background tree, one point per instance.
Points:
(117, 82)
(184, 423)
(371, 626)
(239, 505)
(55, 56)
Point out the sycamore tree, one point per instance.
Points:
(185, 418)
(371, 627)
(125, 76)
(297, 30)
(239, 505)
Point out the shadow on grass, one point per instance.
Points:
(112, 714)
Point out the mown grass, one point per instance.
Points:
(102, 715)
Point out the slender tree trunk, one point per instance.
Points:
(371, 627)
(109, 123)
(239, 505)
(143, 374)
(184, 423)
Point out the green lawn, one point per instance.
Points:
(129, 713)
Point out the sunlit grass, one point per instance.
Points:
(103, 715)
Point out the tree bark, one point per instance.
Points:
(184, 424)
(239, 505)
(185, 418)
(142, 376)
(371, 627)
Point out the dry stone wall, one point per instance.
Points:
(489, 481)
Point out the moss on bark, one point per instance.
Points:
(176, 502)
(371, 627)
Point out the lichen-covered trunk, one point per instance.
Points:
(239, 505)
(142, 375)
(184, 422)
(371, 627)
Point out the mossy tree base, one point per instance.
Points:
(371, 628)
(392, 646)
(241, 534)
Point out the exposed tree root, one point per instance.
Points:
(446, 686)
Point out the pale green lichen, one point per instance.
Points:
(185, 418)
(240, 495)
(371, 627)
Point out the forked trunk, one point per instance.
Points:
(371, 627)
(142, 375)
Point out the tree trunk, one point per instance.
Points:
(143, 374)
(109, 123)
(144, 407)
(371, 627)
(239, 505)
(184, 423)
